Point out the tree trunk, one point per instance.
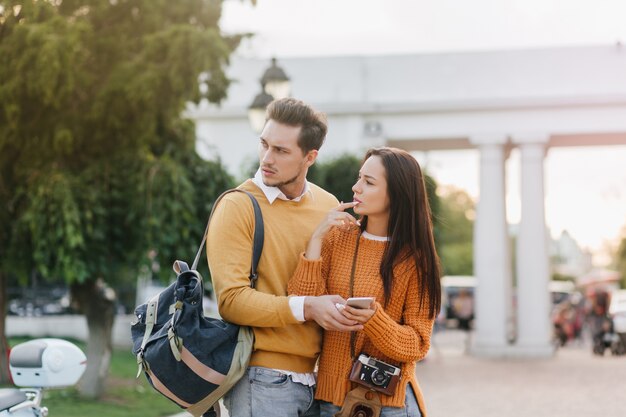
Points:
(5, 376)
(97, 302)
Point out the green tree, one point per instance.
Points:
(97, 167)
(435, 209)
(455, 232)
(337, 175)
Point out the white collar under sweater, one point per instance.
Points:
(272, 193)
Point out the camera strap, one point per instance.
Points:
(356, 252)
(362, 401)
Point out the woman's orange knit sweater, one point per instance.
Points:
(398, 334)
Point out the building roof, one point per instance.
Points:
(552, 76)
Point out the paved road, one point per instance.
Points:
(572, 384)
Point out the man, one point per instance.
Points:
(280, 379)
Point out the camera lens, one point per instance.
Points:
(379, 378)
(362, 411)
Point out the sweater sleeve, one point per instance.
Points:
(405, 342)
(229, 248)
(310, 275)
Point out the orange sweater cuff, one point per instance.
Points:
(377, 327)
(307, 278)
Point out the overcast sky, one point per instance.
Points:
(373, 27)
(356, 27)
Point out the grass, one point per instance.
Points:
(124, 395)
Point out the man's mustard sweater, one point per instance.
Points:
(281, 341)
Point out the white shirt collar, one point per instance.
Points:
(374, 237)
(272, 193)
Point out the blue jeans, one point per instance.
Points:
(265, 392)
(410, 409)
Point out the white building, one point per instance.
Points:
(568, 258)
(490, 101)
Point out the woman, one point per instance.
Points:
(388, 254)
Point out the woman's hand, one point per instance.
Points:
(335, 217)
(359, 315)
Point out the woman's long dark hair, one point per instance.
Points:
(410, 227)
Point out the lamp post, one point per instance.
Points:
(274, 84)
(256, 111)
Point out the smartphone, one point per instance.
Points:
(360, 302)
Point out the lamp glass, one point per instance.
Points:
(256, 116)
(278, 89)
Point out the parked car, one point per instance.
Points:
(40, 302)
(453, 286)
(561, 291)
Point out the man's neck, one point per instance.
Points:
(293, 190)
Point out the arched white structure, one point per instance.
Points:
(490, 101)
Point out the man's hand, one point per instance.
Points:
(322, 309)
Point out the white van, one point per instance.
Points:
(451, 285)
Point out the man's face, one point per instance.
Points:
(282, 162)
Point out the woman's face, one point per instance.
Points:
(370, 189)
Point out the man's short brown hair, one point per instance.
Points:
(293, 112)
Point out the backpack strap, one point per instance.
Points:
(179, 266)
(259, 235)
(151, 317)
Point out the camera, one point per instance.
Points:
(375, 374)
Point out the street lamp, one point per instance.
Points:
(256, 111)
(274, 84)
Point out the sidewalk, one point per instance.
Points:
(572, 384)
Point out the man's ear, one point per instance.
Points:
(310, 157)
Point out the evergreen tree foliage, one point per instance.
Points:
(98, 169)
(455, 232)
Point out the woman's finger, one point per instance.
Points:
(352, 219)
(358, 314)
(357, 311)
(344, 206)
(362, 315)
(345, 218)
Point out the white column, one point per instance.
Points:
(534, 328)
(492, 261)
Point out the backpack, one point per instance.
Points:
(191, 359)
